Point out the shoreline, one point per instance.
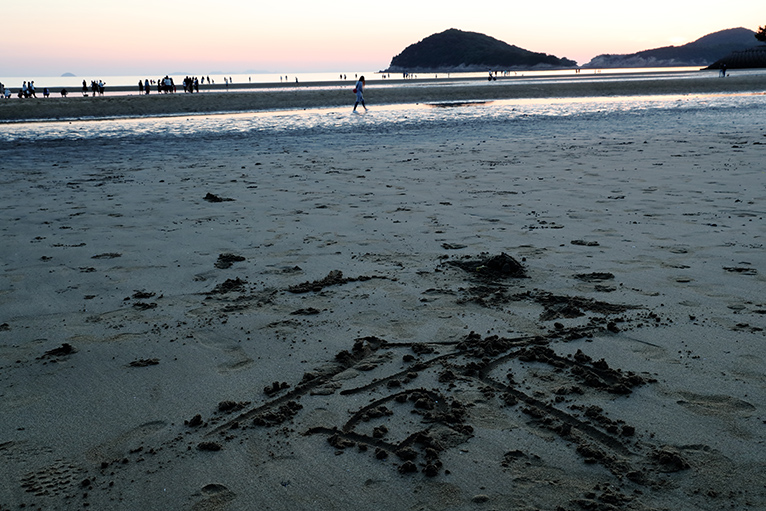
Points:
(326, 94)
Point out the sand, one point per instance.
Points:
(378, 92)
(567, 316)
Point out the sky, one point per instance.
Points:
(105, 37)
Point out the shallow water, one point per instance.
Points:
(740, 108)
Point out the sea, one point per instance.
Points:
(741, 108)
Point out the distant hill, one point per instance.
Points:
(701, 52)
(455, 50)
(68, 75)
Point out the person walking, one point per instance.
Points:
(359, 89)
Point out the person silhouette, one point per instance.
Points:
(359, 89)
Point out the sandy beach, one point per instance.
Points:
(545, 314)
(379, 92)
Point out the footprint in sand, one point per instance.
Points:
(120, 445)
(240, 360)
(715, 405)
(215, 497)
(59, 478)
(238, 357)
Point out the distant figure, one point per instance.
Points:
(7, 93)
(64, 93)
(46, 92)
(146, 86)
(32, 89)
(140, 87)
(84, 88)
(359, 89)
(723, 71)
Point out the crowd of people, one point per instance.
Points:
(166, 85)
(27, 90)
(96, 87)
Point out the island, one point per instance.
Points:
(457, 51)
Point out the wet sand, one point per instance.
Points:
(567, 316)
(381, 92)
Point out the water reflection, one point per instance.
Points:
(384, 117)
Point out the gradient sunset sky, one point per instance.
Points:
(104, 37)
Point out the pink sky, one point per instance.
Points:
(116, 38)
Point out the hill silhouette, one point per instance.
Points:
(456, 50)
(701, 52)
(750, 58)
